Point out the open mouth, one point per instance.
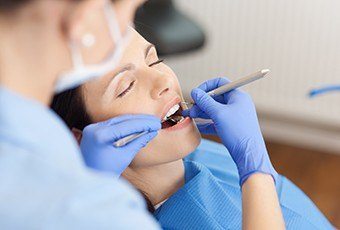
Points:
(173, 117)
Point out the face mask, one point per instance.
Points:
(81, 72)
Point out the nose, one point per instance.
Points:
(162, 85)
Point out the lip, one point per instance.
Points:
(169, 105)
(179, 126)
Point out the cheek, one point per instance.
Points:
(102, 112)
(162, 149)
(136, 104)
(177, 86)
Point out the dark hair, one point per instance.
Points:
(12, 4)
(70, 106)
(8, 5)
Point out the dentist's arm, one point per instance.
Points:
(235, 122)
(260, 205)
(97, 147)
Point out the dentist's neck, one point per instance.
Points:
(21, 71)
(159, 182)
(28, 50)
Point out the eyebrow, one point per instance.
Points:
(130, 66)
(124, 68)
(148, 48)
(127, 67)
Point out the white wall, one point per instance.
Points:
(299, 40)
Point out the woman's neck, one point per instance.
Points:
(157, 182)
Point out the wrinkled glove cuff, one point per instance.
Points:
(253, 159)
(271, 172)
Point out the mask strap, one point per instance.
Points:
(115, 33)
(112, 22)
(77, 59)
(82, 72)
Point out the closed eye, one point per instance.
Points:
(127, 89)
(133, 82)
(156, 62)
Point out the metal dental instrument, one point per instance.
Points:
(235, 84)
(220, 90)
(128, 139)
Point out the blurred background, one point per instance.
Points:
(299, 41)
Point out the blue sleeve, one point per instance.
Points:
(35, 194)
(101, 204)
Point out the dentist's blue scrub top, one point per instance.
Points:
(44, 183)
(211, 196)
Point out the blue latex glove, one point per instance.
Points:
(97, 141)
(235, 122)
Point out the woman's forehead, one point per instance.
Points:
(133, 53)
(135, 47)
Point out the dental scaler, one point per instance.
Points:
(218, 91)
(235, 84)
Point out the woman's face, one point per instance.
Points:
(143, 85)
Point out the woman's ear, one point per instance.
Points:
(77, 133)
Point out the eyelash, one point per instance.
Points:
(132, 83)
(127, 89)
(156, 62)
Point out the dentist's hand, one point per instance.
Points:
(235, 122)
(97, 141)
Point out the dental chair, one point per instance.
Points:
(170, 30)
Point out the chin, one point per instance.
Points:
(169, 145)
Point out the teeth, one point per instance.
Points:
(177, 119)
(171, 111)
